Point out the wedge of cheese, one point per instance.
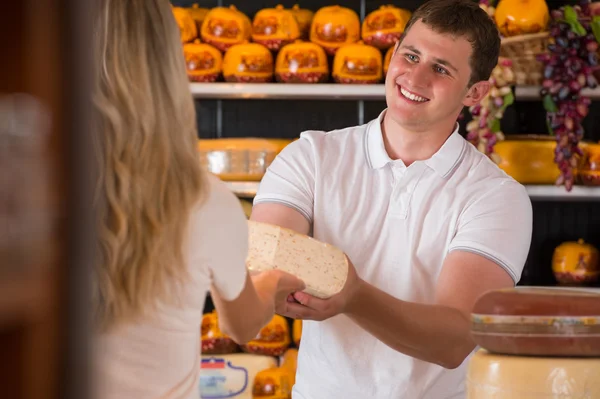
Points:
(322, 267)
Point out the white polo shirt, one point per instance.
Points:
(397, 224)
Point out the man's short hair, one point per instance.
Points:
(464, 18)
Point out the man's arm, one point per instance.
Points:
(280, 215)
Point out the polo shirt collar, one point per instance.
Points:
(442, 162)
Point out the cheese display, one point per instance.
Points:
(357, 63)
(272, 340)
(239, 159)
(273, 383)
(322, 267)
(333, 27)
(212, 339)
(231, 376)
(198, 14)
(383, 27)
(387, 59)
(538, 321)
(491, 376)
(275, 27)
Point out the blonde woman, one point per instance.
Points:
(168, 232)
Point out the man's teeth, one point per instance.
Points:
(412, 96)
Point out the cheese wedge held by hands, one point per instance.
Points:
(322, 267)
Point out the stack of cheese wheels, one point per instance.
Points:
(322, 267)
(537, 342)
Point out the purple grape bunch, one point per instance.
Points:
(569, 67)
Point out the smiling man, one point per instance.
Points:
(428, 222)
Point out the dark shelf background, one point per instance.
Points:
(554, 222)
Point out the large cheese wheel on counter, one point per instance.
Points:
(538, 321)
(322, 267)
(272, 340)
(493, 376)
(273, 383)
(231, 376)
(239, 159)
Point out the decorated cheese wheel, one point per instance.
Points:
(198, 14)
(187, 26)
(231, 376)
(357, 63)
(275, 27)
(538, 321)
(383, 27)
(239, 159)
(322, 267)
(248, 63)
(304, 18)
(301, 62)
(297, 331)
(333, 27)
(203, 62)
(273, 383)
(523, 377)
(387, 59)
(224, 27)
(272, 340)
(213, 340)
(576, 263)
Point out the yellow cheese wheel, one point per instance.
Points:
(493, 376)
(239, 159)
(322, 267)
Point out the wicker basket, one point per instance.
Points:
(522, 50)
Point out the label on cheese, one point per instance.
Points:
(322, 267)
(231, 376)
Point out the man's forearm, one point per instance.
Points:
(433, 333)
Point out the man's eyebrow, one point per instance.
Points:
(438, 60)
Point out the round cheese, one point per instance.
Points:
(322, 267)
(538, 321)
(491, 376)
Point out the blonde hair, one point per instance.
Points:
(148, 170)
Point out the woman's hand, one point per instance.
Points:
(274, 286)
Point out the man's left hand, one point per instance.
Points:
(307, 307)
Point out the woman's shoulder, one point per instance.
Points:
(219, 204)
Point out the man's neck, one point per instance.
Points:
(410, 146)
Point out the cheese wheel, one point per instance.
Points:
(239, 159)
(322, 267)
(231, 376)
(538, 321)
(491, 376)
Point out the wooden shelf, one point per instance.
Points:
(321, 91)
(541, 192)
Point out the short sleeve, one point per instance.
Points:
(498, 226)
(222, 236)
(290, 179)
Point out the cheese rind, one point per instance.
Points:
(322, 267)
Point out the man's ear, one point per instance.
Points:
(476, 93)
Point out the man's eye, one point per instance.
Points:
(411, 57)
(439, 69)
